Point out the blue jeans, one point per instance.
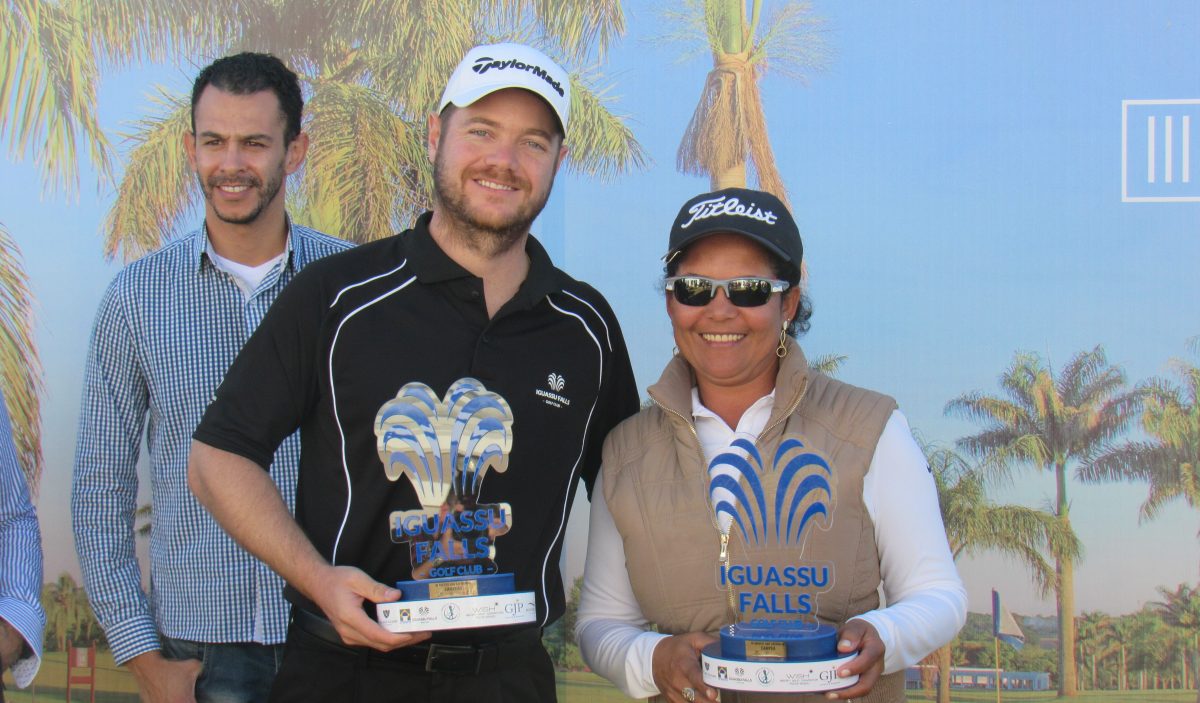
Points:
(232, 673)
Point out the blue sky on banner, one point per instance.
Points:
(957, 173)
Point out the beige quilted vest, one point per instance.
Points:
(656, 486)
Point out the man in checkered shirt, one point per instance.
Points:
(167, 329)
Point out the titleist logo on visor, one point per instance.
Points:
(483, 64)
(718, 207)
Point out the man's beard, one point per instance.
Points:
(488, 238)
(266, 194)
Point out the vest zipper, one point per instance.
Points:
(791, 409)
(723, 535)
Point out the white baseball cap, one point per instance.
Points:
(486, 69)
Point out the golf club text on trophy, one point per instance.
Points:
(765, 516)
(445, 447)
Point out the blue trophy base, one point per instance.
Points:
(457, 603)
(776, 658)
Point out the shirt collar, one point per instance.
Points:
(752, 421)
(434, 266)
(295, 253)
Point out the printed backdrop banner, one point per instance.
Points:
(999, 202)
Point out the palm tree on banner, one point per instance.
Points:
(1089, 629)
(1050, 423)
(828, 364)
(1149, 646)
(1170, 462)
(1118, 636)
(373, 71)
(1181, 609)
(47, 93)
(54, 49)
(974, 524)
(727, 135)
(1174, 671)
(66, 610)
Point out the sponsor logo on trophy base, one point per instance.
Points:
(457, 612)
(791, 658)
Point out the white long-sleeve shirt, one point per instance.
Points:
(926, 600)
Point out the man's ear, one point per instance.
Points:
(189, 147)
(296, 151)
(434, 130)
(562, 156)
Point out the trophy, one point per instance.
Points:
(776, 644)
(445, 448)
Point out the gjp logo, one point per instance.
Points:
(1160, 151)
(556, 382)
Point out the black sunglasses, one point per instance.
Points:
(748, 292)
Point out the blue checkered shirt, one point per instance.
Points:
(168, 327)
(20, 556)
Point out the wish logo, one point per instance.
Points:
(554, 397)
(773, 509)
(445, 447)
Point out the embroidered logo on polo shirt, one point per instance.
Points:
(556, 382)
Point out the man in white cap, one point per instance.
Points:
(465, 299)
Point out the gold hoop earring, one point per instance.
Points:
(782, 350)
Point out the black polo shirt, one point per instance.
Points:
(354, 328)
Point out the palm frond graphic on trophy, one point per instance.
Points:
(737, 492)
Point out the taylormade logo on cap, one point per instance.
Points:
(487, 69)
(718, 207)
(483, 64)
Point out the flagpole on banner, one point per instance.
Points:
(996, 642)
(1004, 627)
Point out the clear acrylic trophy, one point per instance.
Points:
(445, 448)
(775, 644)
